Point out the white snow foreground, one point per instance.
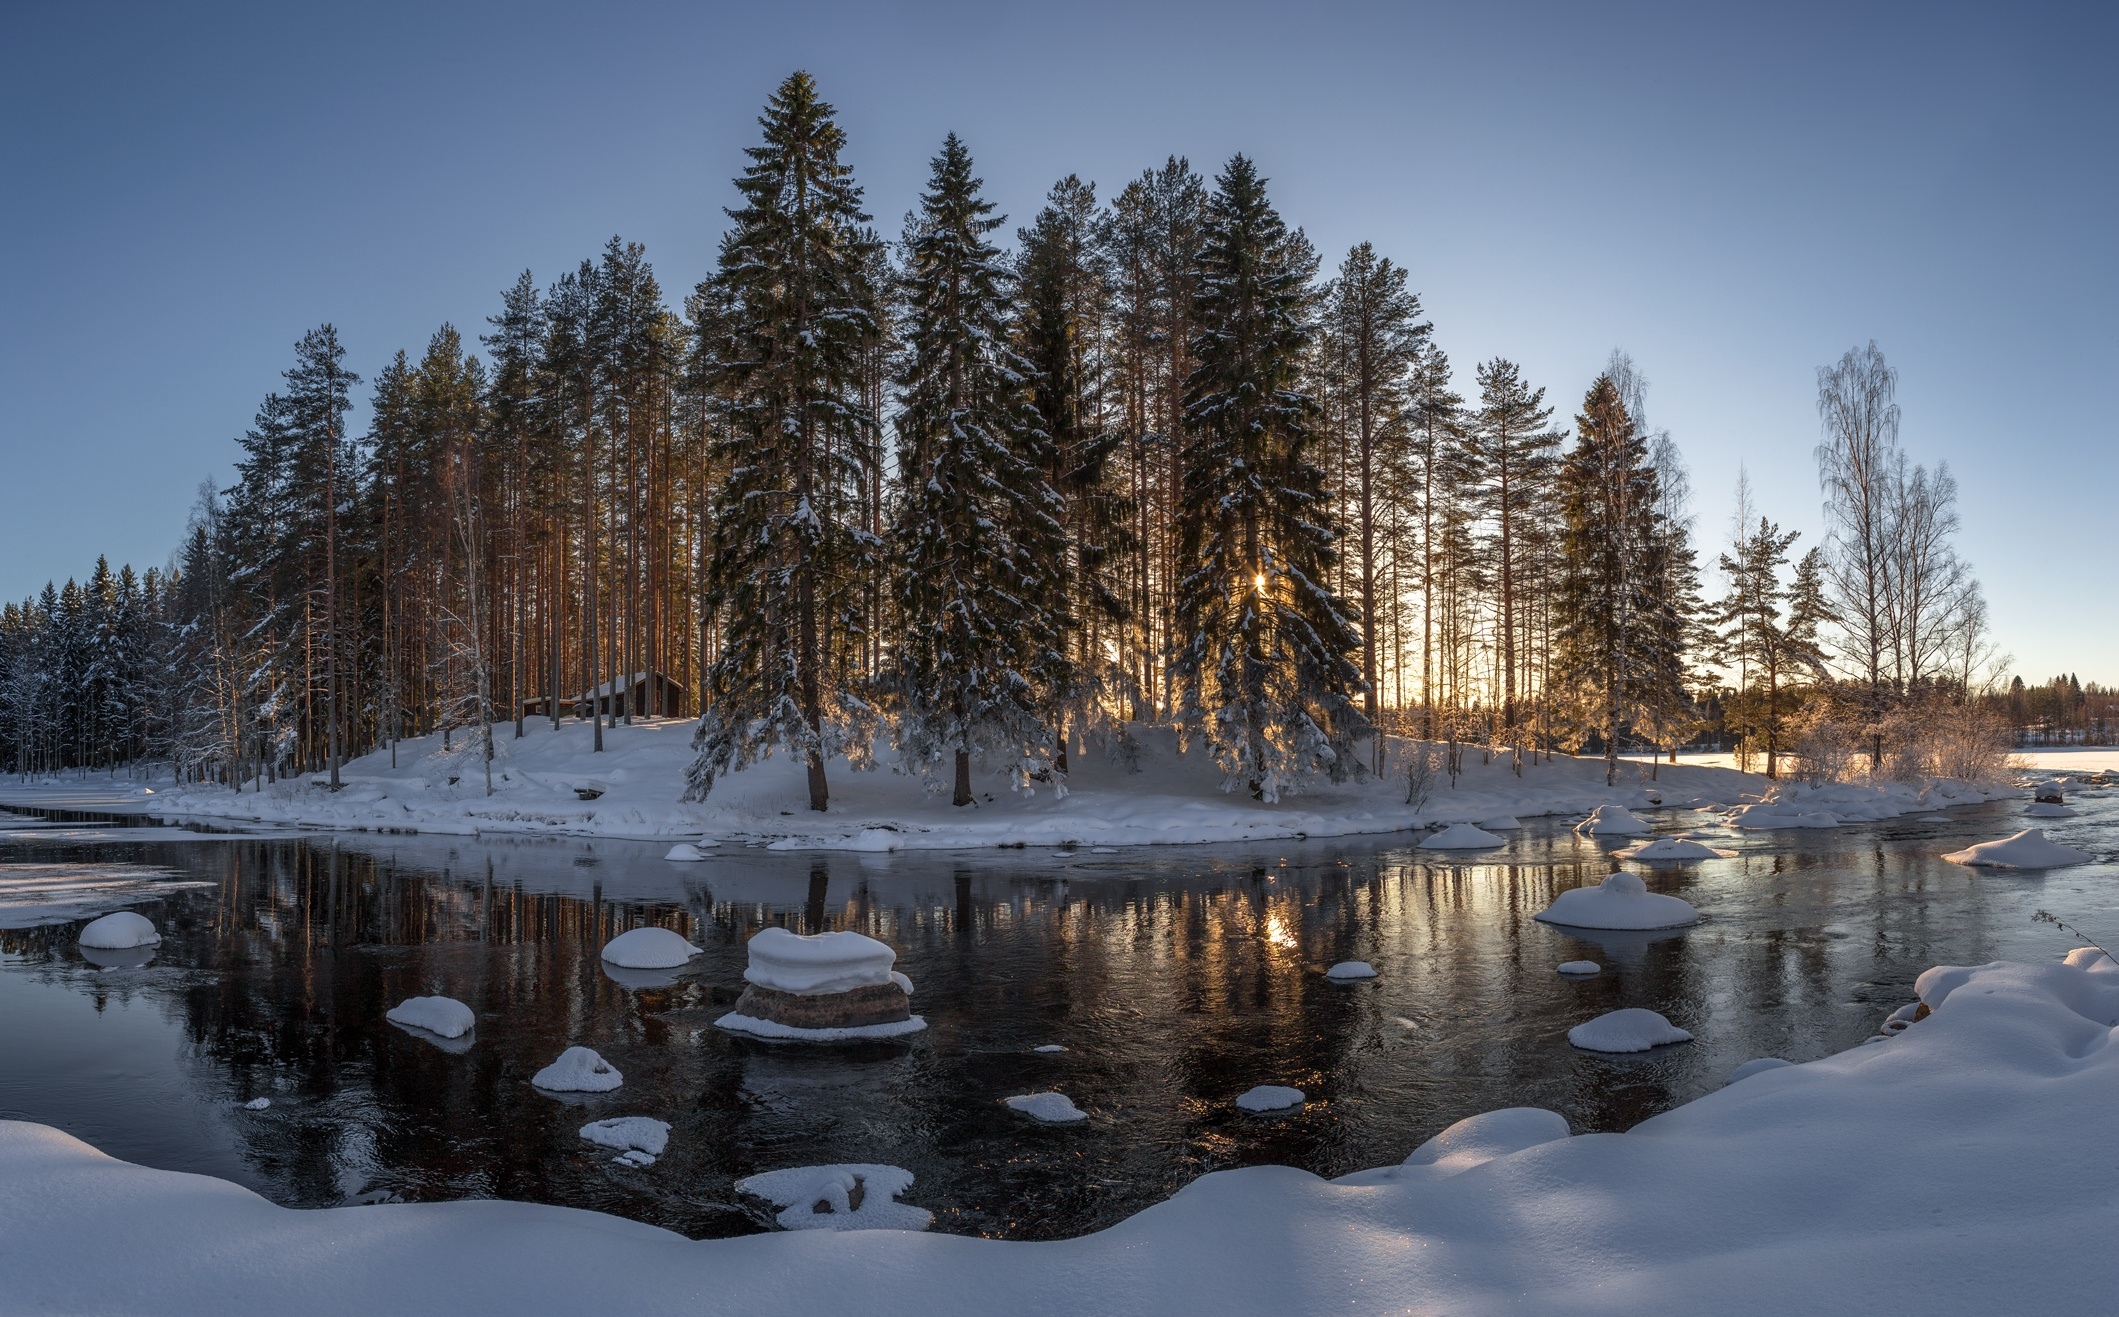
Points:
(1800, 1189)
(539, 784)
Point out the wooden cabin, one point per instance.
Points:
(644, 695)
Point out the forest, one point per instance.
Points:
(1160, 462)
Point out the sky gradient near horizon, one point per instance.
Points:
(1735, 197)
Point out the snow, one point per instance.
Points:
(1933, 818)
(1757, 1067)
(578, 1070)
(1461, 837)
(1347, 971)
(1806, 1191)
(1621, 901)
(817, 963)
(778, 1032)
(32, 895)
(629, 1132)
(802, 1190)
(1501, 823)
(444, 1016)
(1270, 1097)
(648, 948)
(1046, 1108)
(1174, 797)
(1582, 967)
(685, 852)
(257, 1104)
(1672, 848)
(120, 932)
(1048, 1047)
(2040, 809)
(2028, 849)
(1633, 1029)
(1613, 821)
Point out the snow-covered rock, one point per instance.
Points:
(1047, 1108)
(775, 1031)
(258, 1104)
(825, 1198)
(443, 1016)
(1633, 1029)
(2052, 791)
(634, 1132)
(817, 963)
(1270, 1097)
(578, 1070)
(1349, 971)
(121, 931)
(1621, 901)
(1048, 1047)
(1580, 968)
(1757, 1067)
(685, 852)
(2028, 849)
(1461, 837)
(648, 948)
(1501, 823)
(1672, 848)
(1613, 821)
(2045, 809)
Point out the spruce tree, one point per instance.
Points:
(789, 555)
(978, 537)
(1264, 668)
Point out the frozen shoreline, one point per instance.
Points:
(1794, 1189)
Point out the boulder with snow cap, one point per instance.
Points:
(1621, 901)
(1672, 848)
(851, 1196)
(1613, 821)
(444, 1017)
(122, 931)
(648, 948)
(2028, 849)
(826, 987)
(1351, 971)
(1461, 837)
(1633, 1029)
(578, 1070)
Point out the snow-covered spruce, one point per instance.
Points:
(443, 1016)
(1460, 837)
(825, 987)
(2028, 849)
(1351, 971)
(578, 1070)
(1046, 1108)
(122, 931)
(851, 1196)
(1633, 1029)
(1270, 1097)
(1621, 901)
(648, 948)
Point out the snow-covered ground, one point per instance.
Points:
(1164, 796)
(1964, 1165)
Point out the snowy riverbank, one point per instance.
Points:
(1962, 1166)
(1164, 797)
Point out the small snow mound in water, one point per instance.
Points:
(629, 1132)
(1631, 1030)
(1581, 967)
(1270, 1097)
(854, 1196)
(1933, 818)
(1461, 837)
(1350, 970)
(819, 963)
(684, 852)
(2028, 849)
(1502, 823)
(648, 948)
(120, 932)
(1048, 1108)
(877, 840)
(1760, 1066)
(1048, 1047)
(1621, 901)
(445, 1016)
(2046, 809)
(1103, 850)
(1672, 848)
(578, 1070)
(1612, 821)
(257, 1104)
(1476, 1140)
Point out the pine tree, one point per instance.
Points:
(1446, 464)
(789, 554)
(1517, 456)
(1264, 666)
(978, 536)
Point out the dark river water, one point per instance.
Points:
(1176, 978)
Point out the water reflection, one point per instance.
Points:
(1174, 979)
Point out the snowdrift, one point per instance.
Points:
(2028, 849)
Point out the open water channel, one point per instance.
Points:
(1175, 978)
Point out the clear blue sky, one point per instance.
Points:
(1735, 197)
